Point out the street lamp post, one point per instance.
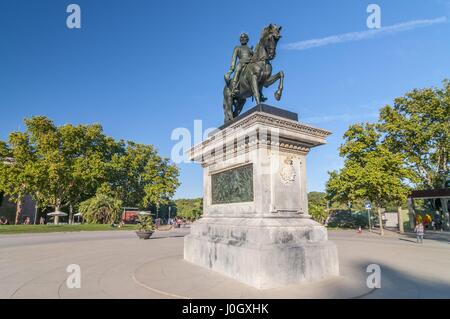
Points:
(169, 213)
(35, 212)
(368, 207)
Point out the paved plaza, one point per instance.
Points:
(118, 265)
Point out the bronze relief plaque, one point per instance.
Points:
(233, 186)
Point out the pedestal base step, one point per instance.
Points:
(263, 266)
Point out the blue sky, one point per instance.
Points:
(143, 68)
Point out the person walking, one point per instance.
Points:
(419, 229)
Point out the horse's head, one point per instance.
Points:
(269, 40)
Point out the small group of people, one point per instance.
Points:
(26, 221)
(177, 222)
(437, 225)
(5, 221)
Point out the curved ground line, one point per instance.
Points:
(168, 294)
(366, 294)
(156, 290)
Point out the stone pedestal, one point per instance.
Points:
(256, 227)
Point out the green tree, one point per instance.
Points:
(371, 171)
(64, 166)
(141, 177)
(189, 208)
(160, 181)
(71, 161)
(17, 159)
(317, 206)
(418, 127)
(89, 152)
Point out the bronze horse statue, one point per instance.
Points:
(256, 75)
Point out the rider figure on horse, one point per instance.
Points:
(252, 72)
(244, 53)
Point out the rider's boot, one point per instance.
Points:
(234, 89)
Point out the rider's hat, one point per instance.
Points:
(243, 34)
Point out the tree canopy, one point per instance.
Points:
(408, 148)
(317, 206)
(17, 162)
(418, 127)
(189, 208)
(64, 166)
(371, 171)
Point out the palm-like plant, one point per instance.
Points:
(146, 223)
(101, 209)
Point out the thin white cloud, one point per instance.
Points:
(339, 117)
(363, 35)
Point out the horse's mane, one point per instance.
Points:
(259, 46)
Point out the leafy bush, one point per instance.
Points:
(101, 209)
(189, 208)
(317, 206)
(318, 213)
(347, 219)
(146, 223)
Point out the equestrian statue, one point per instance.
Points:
(252, 72)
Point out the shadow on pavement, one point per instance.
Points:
(408, 240)
(396, 283)
(167, 236)
(432, 235)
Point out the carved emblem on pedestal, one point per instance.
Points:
(287, 171)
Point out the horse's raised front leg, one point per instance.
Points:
(272, 80)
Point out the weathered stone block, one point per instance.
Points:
(261, 235)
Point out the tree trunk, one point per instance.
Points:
(380, 220)
(400, 220)
(444, 204)
(56, 218)
(411, 213)
(70, 213)
(18, 210)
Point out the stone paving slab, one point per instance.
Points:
(119, 265)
